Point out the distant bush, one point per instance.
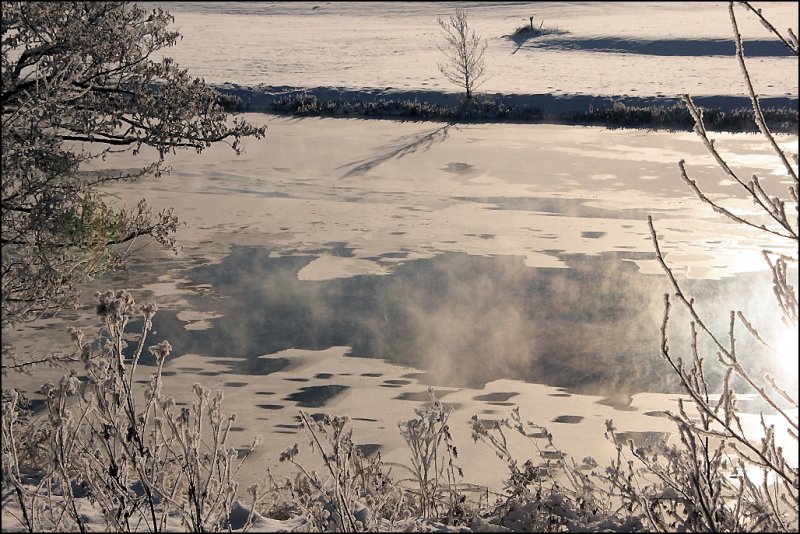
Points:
(474, 110)
(678, 117)
(529, 32)
(656, 117)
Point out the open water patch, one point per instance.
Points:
(568, 419)
(495, 397)
(369, 450)
(567, 207)
(316, 396)
(422, 396)
(270, 406)
(465, 320)
(457, 167)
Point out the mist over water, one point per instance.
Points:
(592, 328)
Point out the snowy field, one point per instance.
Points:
(393, 45)
(343, 265)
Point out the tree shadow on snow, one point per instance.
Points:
(400, 147)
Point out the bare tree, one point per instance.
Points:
(79, 82)
(463, 50)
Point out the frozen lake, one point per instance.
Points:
(502, 264)
(474, 251)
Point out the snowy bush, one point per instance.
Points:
(484, 109)
(473, 110)
(529, 31)
(678, 117)
(139, 459)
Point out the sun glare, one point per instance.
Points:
(787, 354)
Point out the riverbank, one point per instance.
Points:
(722, 113)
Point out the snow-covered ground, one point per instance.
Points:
(512, 263)
(389, 45)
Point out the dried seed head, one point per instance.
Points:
(200, 390)
(76, 335)
(161, 350)
(149, 310)
(114, 305)
(168, 403)
(47, 388)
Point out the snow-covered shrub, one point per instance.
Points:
(480, 109)
(529, 31)
(546, 493)
(474, 110)
(142, 461)
(354, 493)
(677, 117)
(434, 473)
